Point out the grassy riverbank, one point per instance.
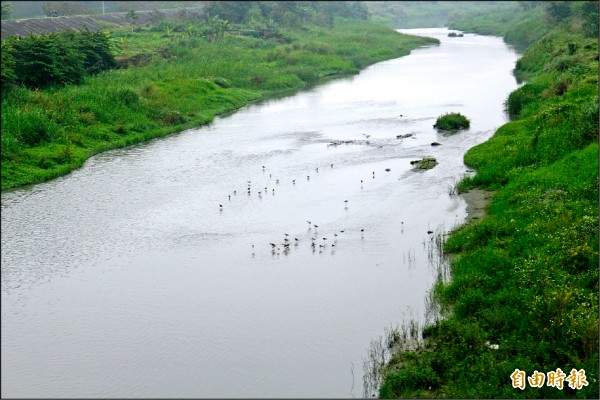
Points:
(523, 292)
(186, 81)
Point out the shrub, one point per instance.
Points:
(8, 66)
(452, 121)
(39, 61)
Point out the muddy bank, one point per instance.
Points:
(477, 201)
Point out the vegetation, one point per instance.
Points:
(525, 22)
(184, 77)
(6, 10)
(524, 287)
(424, 14)
(51, 60)
(452, 122)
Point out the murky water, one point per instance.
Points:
(127, 279)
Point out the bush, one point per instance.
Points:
(452, 121)
(8, 66)
(39, 61)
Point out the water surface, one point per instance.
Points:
(127, 279)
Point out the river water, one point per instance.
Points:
(126, 278)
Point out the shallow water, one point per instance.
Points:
(125, 279)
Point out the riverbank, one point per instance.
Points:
(523, 293)
(183, 82)
(477, 202)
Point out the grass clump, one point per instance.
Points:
(452, 122)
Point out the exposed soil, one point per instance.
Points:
(477, 201)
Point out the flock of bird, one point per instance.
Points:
(289, 241)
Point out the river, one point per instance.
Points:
(126, 278)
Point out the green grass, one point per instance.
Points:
(452, 122)
(519, 28)
(526, 276)
(187, 82)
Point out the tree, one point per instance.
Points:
(39, 61)
(6, 10)
(529, 5)
(216, 28)
(590, 18)
(234, 11)
(48, 60)
(558, 10)
(8, 66)
(96, 50)
(223, 27)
